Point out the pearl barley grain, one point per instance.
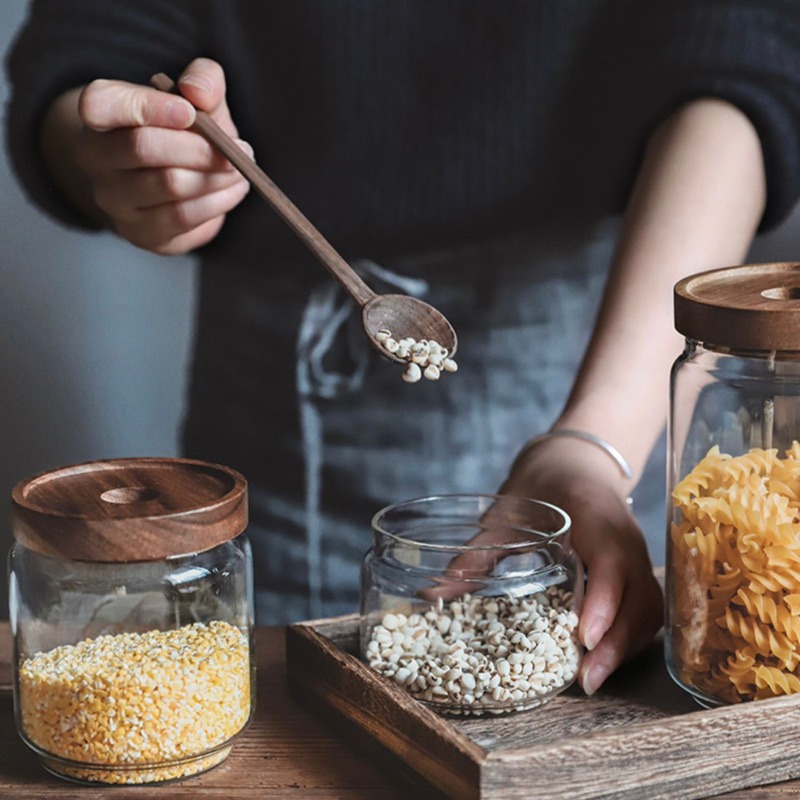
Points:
(423, 357)
(483, 655)
(412, 373)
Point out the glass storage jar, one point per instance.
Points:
(471, 602)
(132, 616)
(733, 542)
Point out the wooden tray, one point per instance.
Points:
(639, 737)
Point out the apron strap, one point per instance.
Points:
(325, 317)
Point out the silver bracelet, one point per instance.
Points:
(587, 437)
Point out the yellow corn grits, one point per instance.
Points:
(138, 698)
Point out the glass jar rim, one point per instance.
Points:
(739, 352)
(542, 537)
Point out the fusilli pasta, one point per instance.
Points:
(735, 575)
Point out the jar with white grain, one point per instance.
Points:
(470, 602)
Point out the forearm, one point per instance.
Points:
(696, 204)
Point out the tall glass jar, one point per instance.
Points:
(471, 602)
(733, 543)
(132, 616)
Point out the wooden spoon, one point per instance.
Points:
(403, 315)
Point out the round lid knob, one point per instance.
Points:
(752, 307)
(132, 509)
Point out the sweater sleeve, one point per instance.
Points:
(68, 43)
(746, 52)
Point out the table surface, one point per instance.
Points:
(287, 752)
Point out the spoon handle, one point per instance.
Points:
(288, 211)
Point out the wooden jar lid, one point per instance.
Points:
(752, 307)
(132, 509)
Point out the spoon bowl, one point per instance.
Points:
(406, 316)
(403, 315)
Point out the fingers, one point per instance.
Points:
(604, 593)
(203, 84)
(148, 188)
(156, 185)
(623, 607)
(106, 105)
(506, 530)
(468, 571)
(638, 618)
(161, 186)
(156, 192)
(193, 239)
(136, 148)
(157, 228)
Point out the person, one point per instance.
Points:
(519, 165)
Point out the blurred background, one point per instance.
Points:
(94, 338)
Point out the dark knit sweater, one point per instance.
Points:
(400, 124)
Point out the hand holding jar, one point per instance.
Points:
(622, 610)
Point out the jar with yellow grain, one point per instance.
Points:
(733, 549)
(132, 615)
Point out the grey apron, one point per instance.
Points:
(523, 308)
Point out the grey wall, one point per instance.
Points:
(94, 336)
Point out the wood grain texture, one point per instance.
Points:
(130, 509)
(689, 756)
(640, 737)
(407, 316)
(289, 753)
(443, 755)
(750, 307)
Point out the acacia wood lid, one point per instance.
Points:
(752, 307)
(132, 509)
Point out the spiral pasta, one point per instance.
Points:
(735, 566)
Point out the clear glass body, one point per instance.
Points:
(733, 528)
(133, 673)
(471, 602)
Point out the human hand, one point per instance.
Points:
(623, 606)
(159, 185)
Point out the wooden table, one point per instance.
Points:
(287, 752)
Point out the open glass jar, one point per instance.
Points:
(471, 602)
(131, 611)
(733, 549)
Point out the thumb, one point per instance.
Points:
(202, 83)
(106, 105)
